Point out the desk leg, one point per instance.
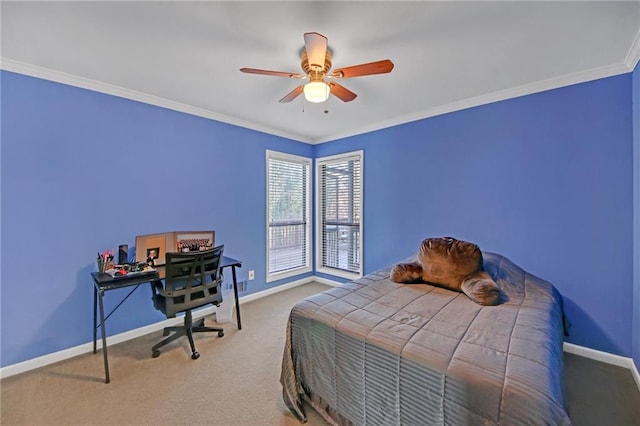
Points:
(95, 318)
(104, 340)
(235, 291)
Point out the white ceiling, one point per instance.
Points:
(448, 55)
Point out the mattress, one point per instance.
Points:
(375, 352)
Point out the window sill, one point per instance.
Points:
(339, 273)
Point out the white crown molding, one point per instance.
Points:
(553, 83)
(634, 53)
(110, 89)
(514, 92)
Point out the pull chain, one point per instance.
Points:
(326, 101)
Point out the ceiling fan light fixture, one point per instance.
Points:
(315, 61)
(316, 91)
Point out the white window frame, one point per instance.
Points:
(319, 162)
(307, 162)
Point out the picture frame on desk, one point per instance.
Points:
(190, 241)
(152, 249)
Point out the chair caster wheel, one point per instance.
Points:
(220, 333)
(155, 354)
(195, 355)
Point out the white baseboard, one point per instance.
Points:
(635, 373)
(327, 281)
(605, 357)
(41, 361)
(274, 290)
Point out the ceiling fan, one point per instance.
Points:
(316, 64)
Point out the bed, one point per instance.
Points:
(375, 352)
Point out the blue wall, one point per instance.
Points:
(84, 171)
(544, 179)
(636, 209)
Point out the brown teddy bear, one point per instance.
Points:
(452, 264)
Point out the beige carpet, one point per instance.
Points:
(235, 381)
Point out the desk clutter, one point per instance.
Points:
(151, 251)
(106, 265)
(105, 261)
(129, 269)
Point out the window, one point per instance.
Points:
(288, 215)
(339, 218)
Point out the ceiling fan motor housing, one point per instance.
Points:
(315, 69)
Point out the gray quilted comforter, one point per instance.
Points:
(374, 352)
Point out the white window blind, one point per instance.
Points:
(339, 199)
(288, 218)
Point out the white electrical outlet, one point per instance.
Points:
(252, 274)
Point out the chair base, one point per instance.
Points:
(185, 330)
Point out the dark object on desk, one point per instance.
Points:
(192, 280)
(123, 254)
(136, 267)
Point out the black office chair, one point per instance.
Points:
(191, 280)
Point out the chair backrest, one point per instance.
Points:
(192, 280)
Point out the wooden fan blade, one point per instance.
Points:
(316, 47)
(275, 73)
(341, 92)
(378, 67)
(292, 94)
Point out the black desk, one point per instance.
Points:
(104, 282)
